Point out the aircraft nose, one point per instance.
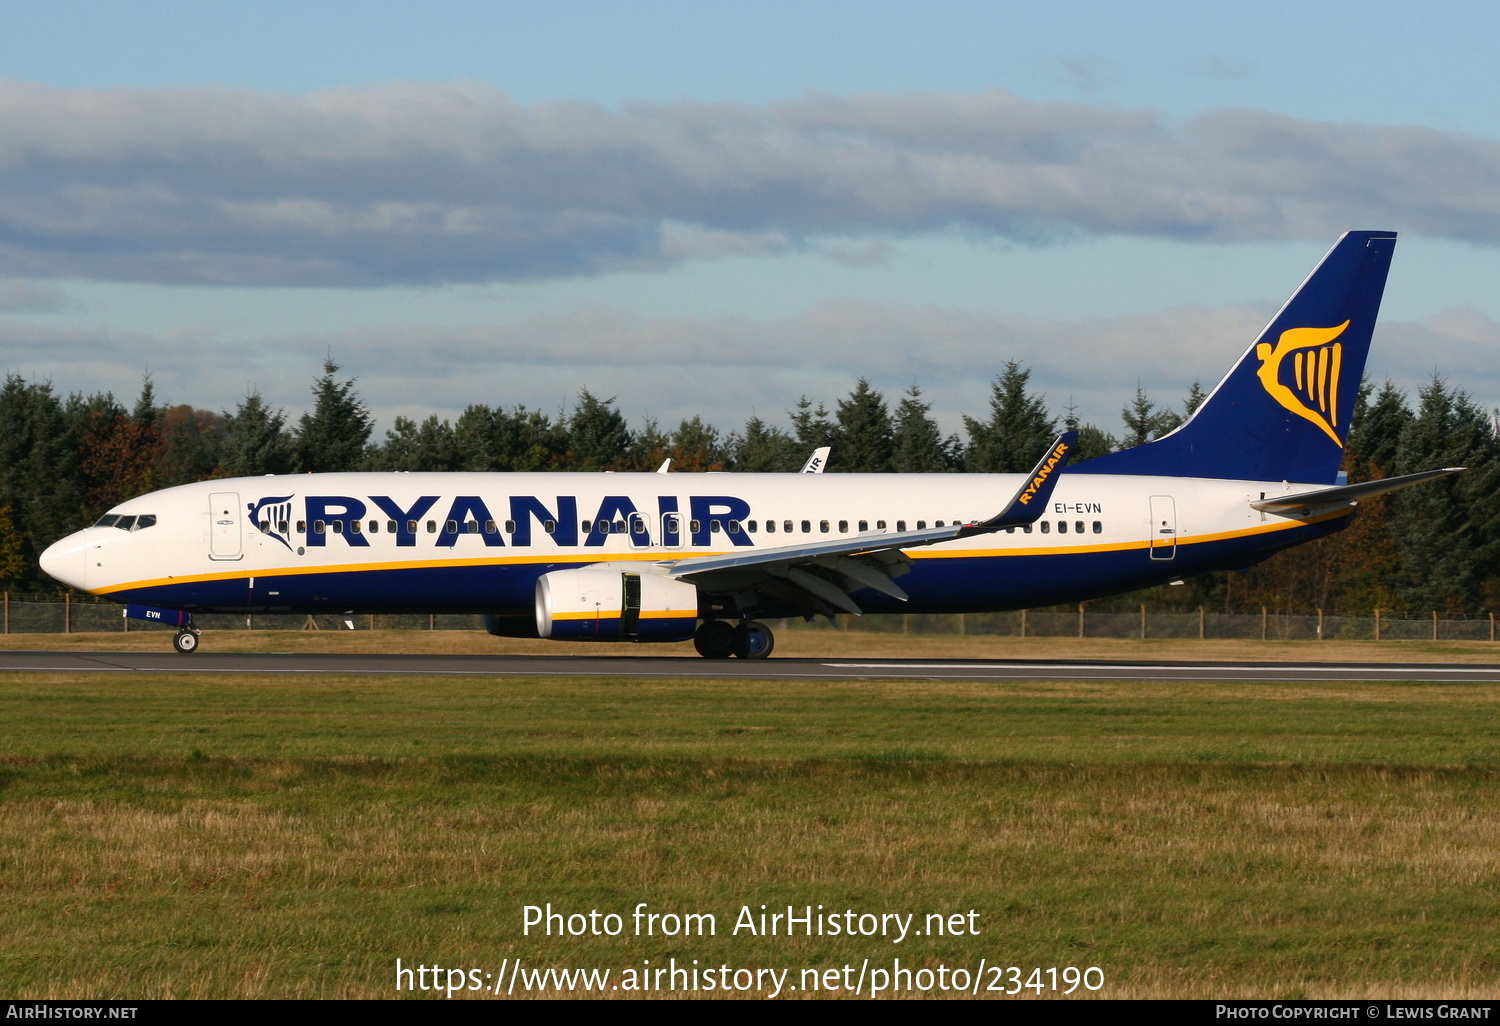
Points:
(65, 560)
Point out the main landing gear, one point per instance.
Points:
(185, 640)
(716, 639)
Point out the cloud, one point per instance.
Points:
(29, 297)
(726, 370)
(419, 184)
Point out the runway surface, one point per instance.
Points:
(769, 669)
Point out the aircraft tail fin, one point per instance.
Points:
(1282, 413)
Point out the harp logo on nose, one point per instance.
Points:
(1302, 374)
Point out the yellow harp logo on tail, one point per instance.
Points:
(1313, 392)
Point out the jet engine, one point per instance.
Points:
(609, 603)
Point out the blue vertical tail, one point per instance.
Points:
(1282, 413)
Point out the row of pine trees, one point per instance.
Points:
(64, 461)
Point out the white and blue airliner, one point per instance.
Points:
(664, 557)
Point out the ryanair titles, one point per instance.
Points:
(1044, 471)
(514, 520)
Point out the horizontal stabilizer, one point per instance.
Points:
(1306, 504)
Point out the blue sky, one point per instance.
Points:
(715, 208)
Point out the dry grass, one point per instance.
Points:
(812, 644)
(274, 837)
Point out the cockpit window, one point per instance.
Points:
(127, 523)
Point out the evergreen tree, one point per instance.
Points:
(474, 438)
(430, 446)
(1447, 532)
(862, 442)
(1144, 421)
(1091, 443)
(649, 447)
(763, 449)
(1018, 430)
(255, 441)
(333, 436)
(38, 470)
(1375, 432)
(810, 428)
(597, 436)
(188, 440)
(529, 440)
(917, 443)
(696, 447)
(1194, 399)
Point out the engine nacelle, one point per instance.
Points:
(611, 603)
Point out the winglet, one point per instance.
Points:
(817, 461)
(1030, 500)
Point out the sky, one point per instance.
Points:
(712, 209)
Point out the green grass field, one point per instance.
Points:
(294, 836)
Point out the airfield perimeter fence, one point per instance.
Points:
(62, 615)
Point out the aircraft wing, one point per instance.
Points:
(820, 575)
(1308, 504)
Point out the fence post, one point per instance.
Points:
(1377, 623)
(963, 625)
(1320, 624)
(1023, 623)
(1080, 619)
(1262, 623)
(67, 612)
(1143, 620)
(1434, 625)
(7, 618)
(1492, 625)
(1200, 623)
(432, 621)
(905, 623)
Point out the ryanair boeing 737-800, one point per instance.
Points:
(672, 557)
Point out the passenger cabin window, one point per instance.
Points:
(751, 524)
(302, 527)
(901, 525)
(353, 526)
(1062, 527)
(734, 527)
(807, 527)
(880, 525)
(843, 527)
(770, 527)
(319, 527)
(822, 527)
(864, 525)
(715, 526)
(1098, 527)
(921, 525)
(693, 526)
(786, 525)
(390, 526)
(550, 526)
(1078, 527)
(432, 527)
(1046, 526)
(374, 526)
